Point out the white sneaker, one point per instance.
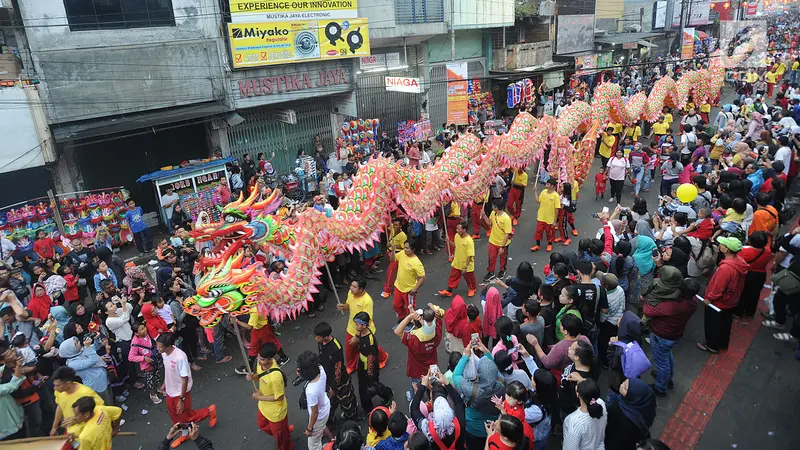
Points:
(155, 399)
(611, 200)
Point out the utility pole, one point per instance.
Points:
(453, 30)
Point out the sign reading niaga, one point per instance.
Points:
(403, 84)
(282, 11)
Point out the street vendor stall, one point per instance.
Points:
(198, 186)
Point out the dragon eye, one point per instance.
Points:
(230, 219)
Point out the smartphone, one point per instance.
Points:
(605, 209)
(184, 427)
(513, 349)
(433, 370)
(655, 252)
(411, 300)
(474, 339)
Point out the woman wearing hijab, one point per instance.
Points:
(492, 310)
(741, 152)
(643, 245)
(82, 357)
(62, 318)
(40, 302)
(477, 380)
(443, 426)
(630, 330)
(724, 117)
(154, 323)
(755, 127)
(457, 329)
(677, 256)
(80, 314)
(630, 419)
(666, 288)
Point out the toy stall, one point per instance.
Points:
(197, 183)
(358, 138)
(63, 217)
(413, 131)
(478, 99)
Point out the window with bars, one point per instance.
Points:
(115, 14)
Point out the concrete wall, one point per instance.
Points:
(632, 14)
(96, 73)
(469, 45)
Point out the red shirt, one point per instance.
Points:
(757, 258)
(725, 286)
(767, 186)
(421, 355)
(475, 326)
(72, 288)
(45, 248)
(668, 319)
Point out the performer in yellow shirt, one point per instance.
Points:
(358, 300)
(453, 218)
(499, 238)
(94, 424)
(479, 212)
(607, 144)
(410, 276)
(463, 263)
(398, 240)
(667, 113)
(659, 129)
(771, 78)
(549, 203)
(517, 194)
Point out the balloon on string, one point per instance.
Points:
(687, 192)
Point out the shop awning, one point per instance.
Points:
(161, 174)
(516, 73)
(624, 38)
(129, 122)
(647, 44)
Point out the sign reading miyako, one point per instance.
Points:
(284, 11)
(265, 43)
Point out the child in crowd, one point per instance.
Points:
(432, 234)
(566, 217)
(45, 246)
(24, 350)
(452, 362)
(703, 227)
(71, 294)
(143, 351)
(398, 425)
(378, 425)
(600, 185)
(164, 311)
(734, 216)
(474, 316)
(650, 167)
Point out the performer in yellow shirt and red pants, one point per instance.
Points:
(549, 204)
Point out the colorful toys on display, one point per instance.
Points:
(412, 131)
(358, 138)
(477, 100)
(204, 200)
(82, 216)
(523, 92)
(309, 239)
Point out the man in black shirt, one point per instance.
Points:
(82, 261)
(248, 169)
(595, 298)
(547, 294)
(340, 388)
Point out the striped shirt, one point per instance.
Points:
(582, 432)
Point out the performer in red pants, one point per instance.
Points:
(398, 241)
(517, 194)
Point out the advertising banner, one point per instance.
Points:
(265, 43)
(575, 33)
(457, 93)
(687, 43)
(696, 14)
(585, 65)
(288, 11)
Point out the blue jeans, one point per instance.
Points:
(638, 175)
(219, 339)
(646, 181)
(664, 360)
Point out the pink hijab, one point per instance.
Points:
(492, 311)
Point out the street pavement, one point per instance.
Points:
(757, 411)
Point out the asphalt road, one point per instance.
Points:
(218, 384)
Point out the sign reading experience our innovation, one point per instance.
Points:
(281, 32)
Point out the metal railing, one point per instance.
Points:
(418, 11)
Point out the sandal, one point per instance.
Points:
(705, 348)
(784, 337)
(772, 324)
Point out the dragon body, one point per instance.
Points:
(309, 239)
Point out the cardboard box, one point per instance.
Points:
(10, 67)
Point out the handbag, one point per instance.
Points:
(788, 282)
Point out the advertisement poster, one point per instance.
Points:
(284, 11)
(585, 65)
(697, 12)
(266, 43)
(687, 44)
(457, 93)
(604, 61)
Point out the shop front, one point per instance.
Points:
(284, 107)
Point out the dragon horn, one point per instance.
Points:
(263, 203)
(250, 200)
(236, 203)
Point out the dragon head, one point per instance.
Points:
(243, 221)
(228, 288)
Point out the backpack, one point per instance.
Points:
(634, 361)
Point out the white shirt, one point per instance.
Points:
(120, 324)
(784, 154)
(176, 368)
(6, 249)
(166, 199)
(582, 432)
(316, 395)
